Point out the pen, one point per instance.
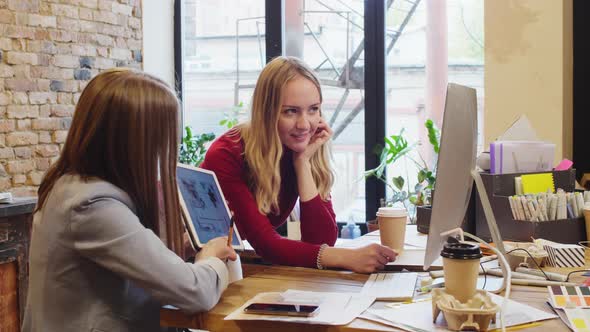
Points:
(230, 233)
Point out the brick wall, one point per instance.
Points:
(49, 49)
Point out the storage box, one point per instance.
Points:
(500, 186)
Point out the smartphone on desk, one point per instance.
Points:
(282, 309)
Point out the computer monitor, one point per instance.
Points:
(456, 160)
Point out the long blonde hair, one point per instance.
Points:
(263, 147)
(124, 131)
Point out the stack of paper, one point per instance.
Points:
(417, 316)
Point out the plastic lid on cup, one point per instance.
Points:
(461, 251)
(392, 212)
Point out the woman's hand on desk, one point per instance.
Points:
(367, 259)
(217, 247)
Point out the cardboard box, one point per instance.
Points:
(500, 186)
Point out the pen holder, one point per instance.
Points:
(501, 186)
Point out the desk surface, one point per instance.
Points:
(280, 278)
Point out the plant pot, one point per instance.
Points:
(423, 218)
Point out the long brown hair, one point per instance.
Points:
(262, 145)
(124, 131)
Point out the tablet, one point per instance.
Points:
(205, 211)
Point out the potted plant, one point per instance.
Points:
(192, 149)
(396, 149)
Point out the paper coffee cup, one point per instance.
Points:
(392, 227)
(234, 269)
(461, 268)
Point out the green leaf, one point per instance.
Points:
(398, 182)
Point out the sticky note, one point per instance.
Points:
(537, 183)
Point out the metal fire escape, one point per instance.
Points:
(350, 76)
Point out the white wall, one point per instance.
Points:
(158, 39)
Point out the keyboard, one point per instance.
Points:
(391, 286)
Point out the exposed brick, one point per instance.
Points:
(5, 44)
(102, 63)
(85, 50)
(2, 173)
(134, 44)
(62, 111)
(6, 153)
(82, 74)
(5, 183)
(64, 98)
(7, 16)
(56, 85)
(23, 152)
(22, 111)
(47, 150)
(2, 140)
(137, 10)
(105, 4)
(65, 61)
(40, 98)
(20, 138)
(104, 40)
(137, 56)
(59, 136)
(43, 85)
(102, 51)
(105, 17)
(44, 111)
(65, 10)
(19, 179)
(18, 84)
(54, 73)
(42, 21)
(21, 58)
(134, 23)
(76, 97)
(23, 191)
(63, 36)
(45, 137)
(20, 98)
(6, 126)
(88, 26)
(68, 23)
(5, 98)
(23, 125)
(47, 124)
(42, 164)
(6, 71)
(89, 3)
(86, 62)
(20, 32)
(122, 9)
(41, 46)
(36, 178)
(22, 71)
(31, 6)
(85, 14)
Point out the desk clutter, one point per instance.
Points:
(534, 214)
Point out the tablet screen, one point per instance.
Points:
(204, 206)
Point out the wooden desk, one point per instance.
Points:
(280, 278)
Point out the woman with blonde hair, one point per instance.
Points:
(96, 262)
(279, 156)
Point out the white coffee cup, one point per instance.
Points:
(234, 269)
(392, 227)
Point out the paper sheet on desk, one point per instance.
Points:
(418, 316)
(335, 308)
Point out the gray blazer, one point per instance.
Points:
(94, 267)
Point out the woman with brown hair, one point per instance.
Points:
(96, 262)
(279, 156)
